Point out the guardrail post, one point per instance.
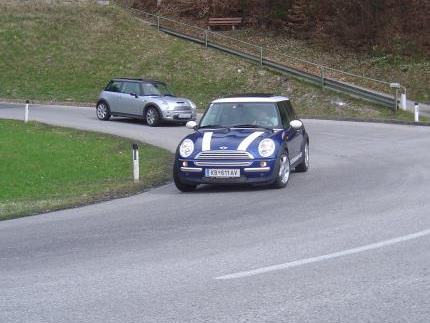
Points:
(396, 86)
(26, 111)
(396, 107)
(258, 55)
(261, 55)
(135, 163)
(322, 76)
(417, 112)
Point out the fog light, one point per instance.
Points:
(184, 164)
(263, 164)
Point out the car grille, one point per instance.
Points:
(224, 154)
(182, 108)
(222, 164)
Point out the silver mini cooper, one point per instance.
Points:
(143, 99)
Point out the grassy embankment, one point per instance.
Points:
(68, 52)
(44, 168)
(413, 72)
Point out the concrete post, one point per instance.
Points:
(417, 112)
(135, 163)
(403, 101)
(27, 102)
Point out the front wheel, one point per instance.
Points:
(282, 171)
(103, 111)
(152, 117)
(179, 184)
(304, 165)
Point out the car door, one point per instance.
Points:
(293, 137)
(132, 105)
(112, 94)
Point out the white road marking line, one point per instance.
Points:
(347, 252)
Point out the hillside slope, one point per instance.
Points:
(68, 52)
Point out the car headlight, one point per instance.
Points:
(186, 148)
(166, 105)
(193, 105)
(266, 148)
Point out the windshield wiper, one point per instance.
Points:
(251, 126)
(169, 94)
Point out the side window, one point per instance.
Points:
(131, 87)
(113, 86)
(149, 89)
(290, 110)
(213, 115)
(284, 114)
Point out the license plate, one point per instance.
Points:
(184, 116)
(222, 173)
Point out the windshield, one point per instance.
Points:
(159, 89)
(245, 115)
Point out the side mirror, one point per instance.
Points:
(134, 94)
(191, 125)
(296, 124)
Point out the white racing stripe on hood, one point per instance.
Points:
(206, 141)
(248, 140)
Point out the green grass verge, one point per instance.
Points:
(45, 168)
(69, 52)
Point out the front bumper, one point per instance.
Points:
(191, 172)
(177, 116)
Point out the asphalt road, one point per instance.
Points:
(349, 241)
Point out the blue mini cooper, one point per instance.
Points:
(249, 139)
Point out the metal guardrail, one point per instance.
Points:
(367, 88)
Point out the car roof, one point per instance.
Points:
(137, 79)
(252, 97)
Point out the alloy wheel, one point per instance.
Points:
(101, 111)
(150, 116)
(307, 155)
(284, 169)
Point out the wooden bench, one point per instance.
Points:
(233, 22)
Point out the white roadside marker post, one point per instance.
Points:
(403, 100)
(135, 163)
(417, 112)
(26, 111)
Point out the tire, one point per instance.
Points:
(283, 171)
(103, 111)
(304, 165)
(152, 117)
(179, 184)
